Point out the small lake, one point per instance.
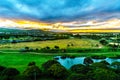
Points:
(68, 62)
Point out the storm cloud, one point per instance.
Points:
(59, 10)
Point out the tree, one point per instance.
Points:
(79, 68)
(116, 65)
(9, 74)
(103, 41)
(56, 47)
(88, 61)
(58, 71)
(99, 65)
(32, 71)
(2, 68)
(31, 64)
(105, 62)
(48, 64)
(100, 74)
(75, 76)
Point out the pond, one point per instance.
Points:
(68, 62)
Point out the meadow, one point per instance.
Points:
(62, 43)
(10, 56)
(20, 60)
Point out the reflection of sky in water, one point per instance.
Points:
(67, 62)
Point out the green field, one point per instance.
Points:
(20, 60)
(11, 57)
(77, 43)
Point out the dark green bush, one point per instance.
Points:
(48, 64)
(9, 74)
(75, 76)
(79, 68)
(104, 62)
(21, 77)
(58, 71)
(99, 65)
(98, 57)
(32, 72)
(67, 56)
(116, 65)
(88, 61)
(100, 74)
(32, 64)
(104, 42)
(2, 68)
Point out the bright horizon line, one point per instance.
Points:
(112, 25)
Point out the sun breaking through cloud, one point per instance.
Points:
(61, 15)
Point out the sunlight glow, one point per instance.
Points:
(111, 25)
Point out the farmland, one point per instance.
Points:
(77, 43)
(11, 55)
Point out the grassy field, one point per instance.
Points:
(77, 43)
(11, 57)
(20, 60)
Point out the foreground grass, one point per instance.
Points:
(20, 60)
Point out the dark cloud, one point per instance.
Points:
(58, 10)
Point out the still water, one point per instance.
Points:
(68, 62)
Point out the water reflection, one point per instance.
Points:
(68, 62)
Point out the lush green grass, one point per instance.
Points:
(20, 60)
(11, 57)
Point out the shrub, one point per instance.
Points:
(58, 71)
(79, 68)
(9, 74)
(63, 57)
(99, 65)
(104, 62)
(21, 77)
(98, 57)
(32, 71)
(2, 68)
(67, 56)
(31, 64)
(115, 57)
(77, 77)
(116, 65)
(56, 47)
(88, 61)
(25, 49)
(103, 41)
(48, 64)
(100, 74)
(46, 49)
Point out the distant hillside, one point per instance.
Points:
(9, 31)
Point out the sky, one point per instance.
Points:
(54, 11)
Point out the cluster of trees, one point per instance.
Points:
(95, 71)
(56, 49)
(53, 70)
(30, 36)
(96, 36)
(112, 45)
(46, 49)
(50, 70)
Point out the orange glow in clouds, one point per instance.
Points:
(24, 24)
(112, 25)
